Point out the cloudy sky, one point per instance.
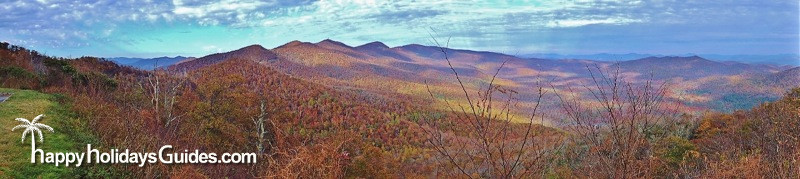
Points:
(150, 28)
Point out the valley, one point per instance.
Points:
(399, 89)
(697, 84)
(414, 111)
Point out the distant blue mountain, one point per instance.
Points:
(148, 63)
(779, 59)
(597, 57)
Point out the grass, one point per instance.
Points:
(71, 135)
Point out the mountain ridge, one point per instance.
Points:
(776, 59)
(148, 63)
(403, 70)
(254, 52)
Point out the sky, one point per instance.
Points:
(152, 28)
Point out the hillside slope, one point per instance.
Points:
(692, 67)
(252, 52)
(70, 135)
(406, 71)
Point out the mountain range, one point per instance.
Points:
(375, 104)
(778, 59)
(147, 63)
(408, 71)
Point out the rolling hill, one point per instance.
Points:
(692, 67)
(331, 105)
(377, 69)
(253, 52)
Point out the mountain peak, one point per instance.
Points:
(329, 42)
(253, 52)
(295, 43)
(375, 44)
(253, 47)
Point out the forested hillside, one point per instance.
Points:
(328, 110)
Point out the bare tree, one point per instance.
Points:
(163, 89)
(491, 145)
(264, 129)
(610, 132)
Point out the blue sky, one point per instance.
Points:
(150, 28)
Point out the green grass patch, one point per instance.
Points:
(71, 135)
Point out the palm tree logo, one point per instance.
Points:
(31, 127)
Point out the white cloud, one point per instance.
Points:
(583, 22)
(363, 20)
(212, 49)
(222, 6)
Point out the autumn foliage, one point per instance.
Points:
(304, 129)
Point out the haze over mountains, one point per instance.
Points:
(407, 71)
(148, 63)
(523, 89)
(381, 97)
(778, 59)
